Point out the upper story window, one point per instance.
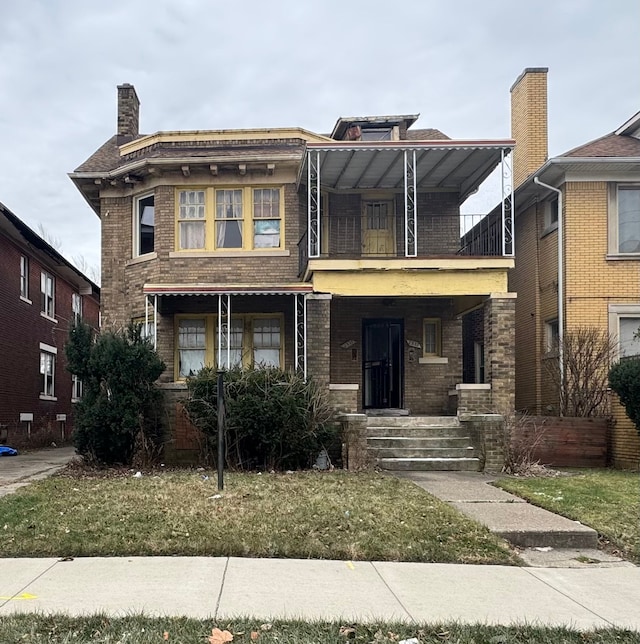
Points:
(552, 336)
(230, 219)
(551, 214)
(47, 292)
(24, 277)
(624, 219)
(76, 307)
(144, 225)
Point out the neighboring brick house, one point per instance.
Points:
(341, 255)
(599, 218)
(41, 294)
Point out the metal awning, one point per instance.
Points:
(225, 289)
(460, 166)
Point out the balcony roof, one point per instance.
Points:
(458, 166)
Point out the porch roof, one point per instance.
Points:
(226, 289)
(459, 166)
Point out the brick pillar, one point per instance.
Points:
(318, 340)
(499, 350)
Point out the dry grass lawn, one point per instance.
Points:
(335, 515)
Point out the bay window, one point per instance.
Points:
(229, 219)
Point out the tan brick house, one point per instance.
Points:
(343, 256)
(587, 204)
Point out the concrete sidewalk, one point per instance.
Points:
(219, 588)
(17, 471)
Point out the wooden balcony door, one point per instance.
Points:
(378, 228)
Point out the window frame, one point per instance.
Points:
(616, 313)
(137, 223)
(76, 307)
(47, 300)
(48, 389)
(551, 214)
(24, 278)
(551, 336)
(437, 326)
(211, 338)
(614, 221)
(76, 388)
(248, 220)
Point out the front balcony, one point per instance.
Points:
(399, 202)
(382, 236)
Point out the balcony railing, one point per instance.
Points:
(354, 237)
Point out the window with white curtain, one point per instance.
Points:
(266, 342)
(191, 345)
(229, 220)
(192, 219)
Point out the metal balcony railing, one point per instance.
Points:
(382, 235)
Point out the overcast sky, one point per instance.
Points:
(208, 64)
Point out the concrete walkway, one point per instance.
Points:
(221, 588)
(545, 539)
(17, 471)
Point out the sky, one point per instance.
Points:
(208, 64)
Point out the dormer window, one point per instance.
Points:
(376, 134)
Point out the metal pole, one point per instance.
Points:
(221, 414)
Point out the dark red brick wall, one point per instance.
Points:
(22, 329)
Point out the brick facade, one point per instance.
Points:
(23, 329)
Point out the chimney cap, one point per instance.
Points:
(529, 70)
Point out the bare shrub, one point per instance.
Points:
(587, 355)
(522, 436)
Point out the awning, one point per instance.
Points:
(459, 166)
(226, 289)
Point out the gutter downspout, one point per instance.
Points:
(560, 282)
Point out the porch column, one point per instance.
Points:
(508, 240)
(319, 338)
(224, 325)
(499, 348)
(313, 203)
(410, 226)
(300, 312)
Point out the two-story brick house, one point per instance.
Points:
(577, 235)
(344, 256)
(41, 294)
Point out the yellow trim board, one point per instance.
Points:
(410, 283)
(221, 135)
(382, 264)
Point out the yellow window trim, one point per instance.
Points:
(210, 217)
(437, 323)
(211, 337)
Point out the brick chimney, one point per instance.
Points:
(529, 122)
(128, 111)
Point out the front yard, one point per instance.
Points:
(336, 515)
(606, 500)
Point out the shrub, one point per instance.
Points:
(274, 418)
(624, 379)
(582, 389)
(120, 400)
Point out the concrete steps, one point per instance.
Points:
(420, 443)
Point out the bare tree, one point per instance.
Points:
(90, 270)
(50, 238)
(588, 353)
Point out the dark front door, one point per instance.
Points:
(382, 363)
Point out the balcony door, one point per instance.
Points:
(378, 228)
(382, 363)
